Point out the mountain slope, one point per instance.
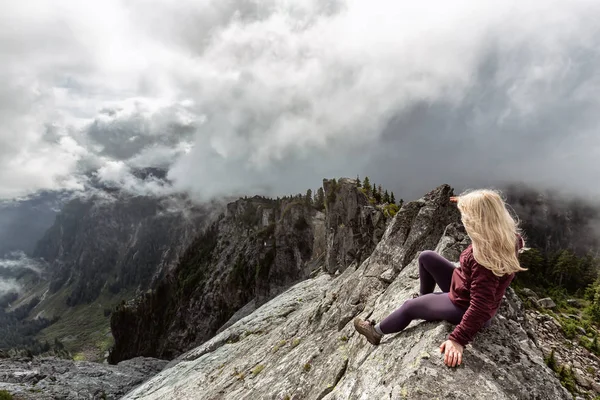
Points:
(121, 241)
(101, 250)
(256, 250)
(301, 345)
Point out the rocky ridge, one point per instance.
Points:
(258, 248)
(301, 345)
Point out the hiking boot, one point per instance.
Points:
(367, 328)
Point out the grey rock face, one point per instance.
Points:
(302, 345)
(258, 249)
(353, 226)
(529, 293)
(122, 242)
(51, 378)
(255, 251)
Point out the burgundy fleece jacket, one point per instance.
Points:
(476, 289)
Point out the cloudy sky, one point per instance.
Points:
(273, 95)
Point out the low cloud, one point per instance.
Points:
(243, 97)
(13, 267)
(20, 261)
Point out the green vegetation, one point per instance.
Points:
(195, 261)
(295, 342)
(367, 185)
(17, 332)
(307, 367)
(562, 276)
(562, 272)
(278, 346)
(239, 273)
(91, 338)
(390, 210)
(592, 294)
(573, 284)
(331, 196)
(377, 195)
(551, 361)
(264, 265)
(565, 374)
(250, 216)
(308, 199)
(567, 379)
(319, 202)
(4, 395)
(258, 369)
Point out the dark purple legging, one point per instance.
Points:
(429, 306)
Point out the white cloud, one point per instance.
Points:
(274, 95)
(16, 261)
(119, 174)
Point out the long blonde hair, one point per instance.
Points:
(492, 230)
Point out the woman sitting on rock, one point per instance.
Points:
(472, 293)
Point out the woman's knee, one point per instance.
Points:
(426, 256)
(412, 307)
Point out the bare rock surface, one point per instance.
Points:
(53, 378)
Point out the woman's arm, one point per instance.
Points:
(484, 285)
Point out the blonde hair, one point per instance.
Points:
(492, 230)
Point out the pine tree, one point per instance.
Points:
(379, 190)
(367, 185)
(392, 198)
(320, 199)
(308, 198)
(386, 197)
(357, 181)
(374, 191)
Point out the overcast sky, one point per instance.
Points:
(271, 96)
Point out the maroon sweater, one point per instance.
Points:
(476, 289)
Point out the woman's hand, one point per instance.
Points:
(452, 353)
(454, 199)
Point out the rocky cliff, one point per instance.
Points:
(301, 345)
(257, 249)
(116, 242)
(353, 225)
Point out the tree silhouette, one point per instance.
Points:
(367, 185)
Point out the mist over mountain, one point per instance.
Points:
(24, 221)
(553, 220)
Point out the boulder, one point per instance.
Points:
(529, 293)
(574, 303)
(546, 303)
